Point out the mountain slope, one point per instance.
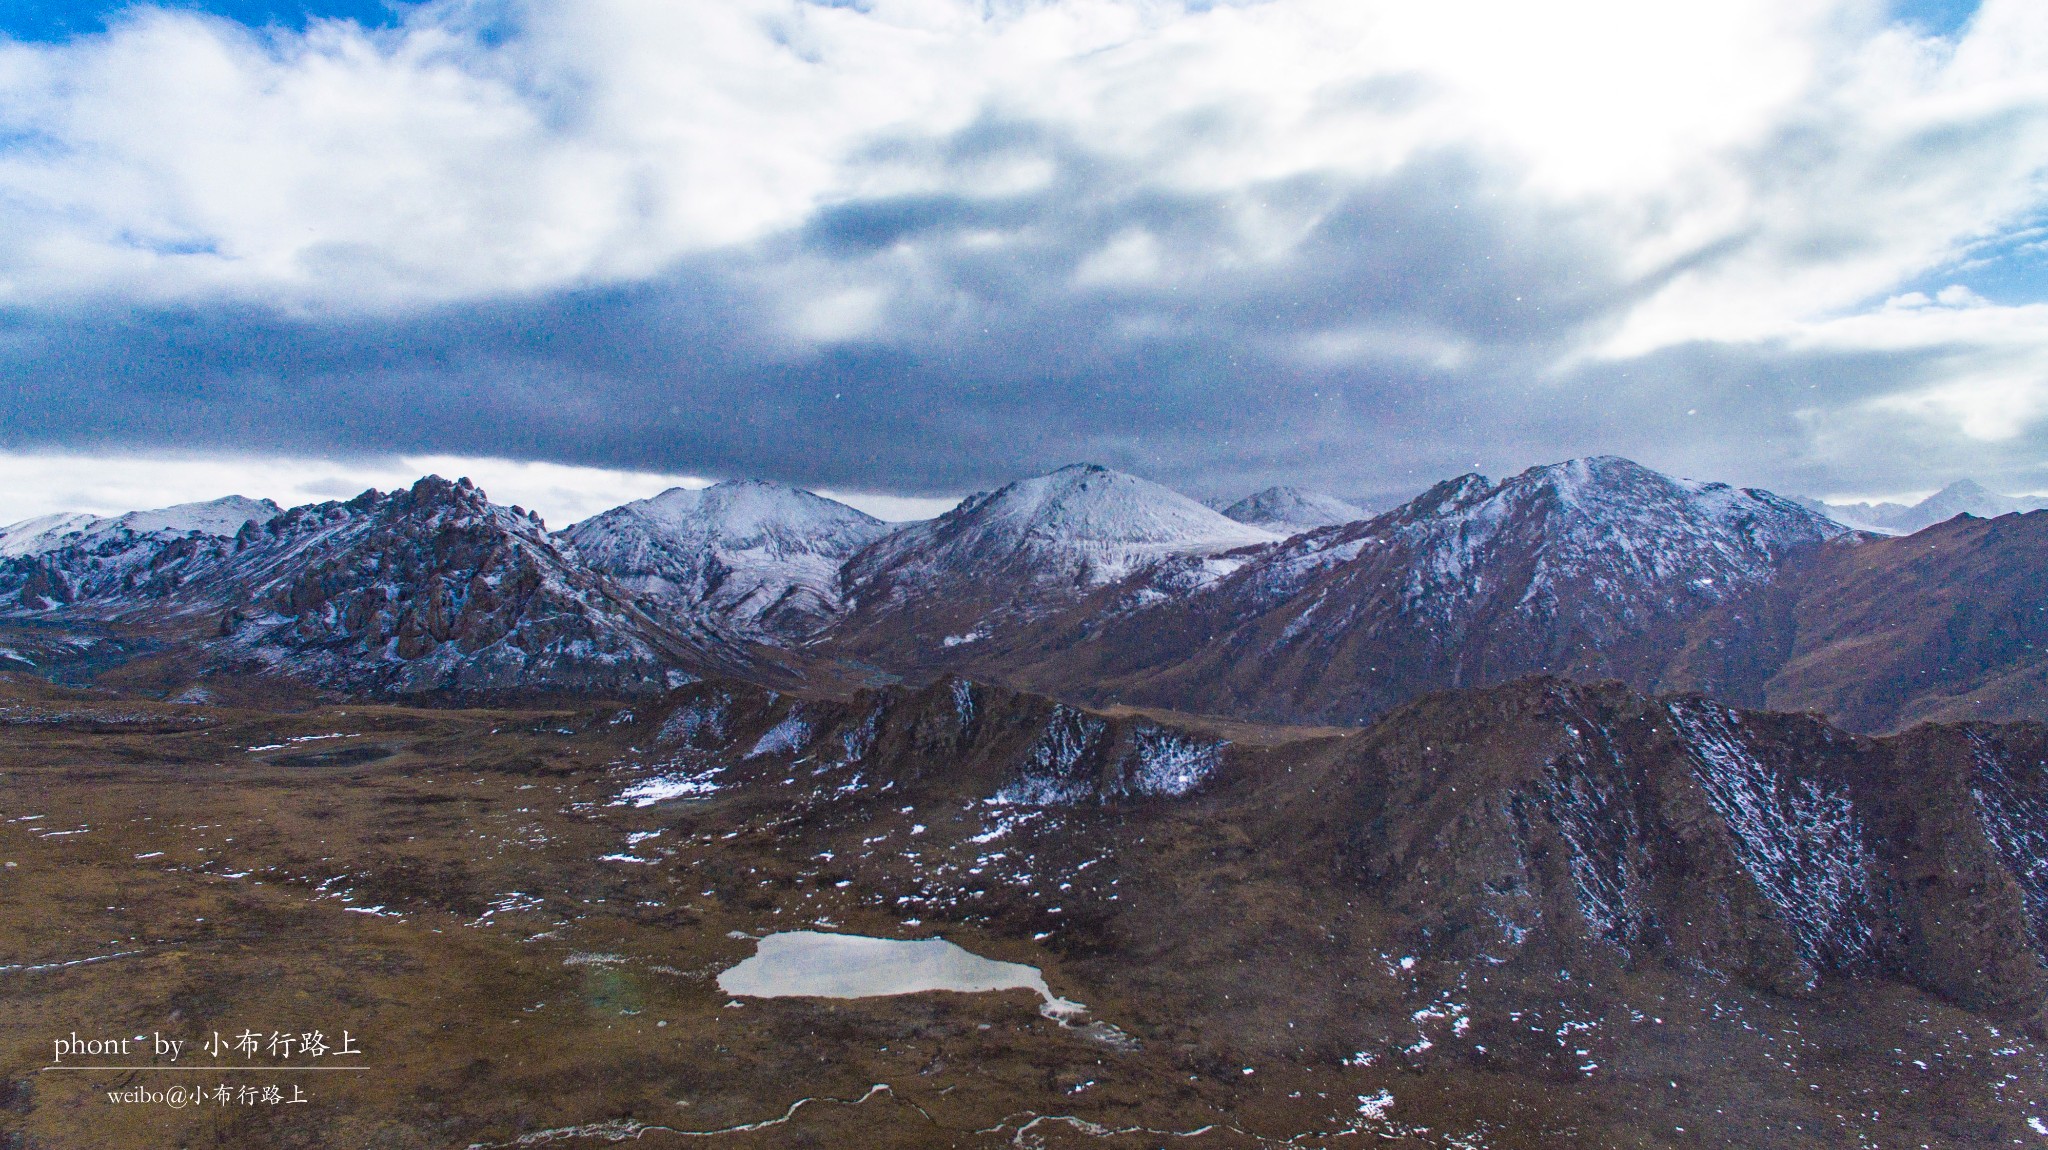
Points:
(1947, 624)
(1002, 559)
(757, 558)
(1591, 568)
(429, 589)
(1288, 510)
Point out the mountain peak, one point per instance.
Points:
(1606, 502)
(751, 555)
(1023, 551)
(736, 510)
(1292, 509)
(1092, 506)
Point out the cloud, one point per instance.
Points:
(39, 483)
(924, 245)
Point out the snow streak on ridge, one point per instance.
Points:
(1599, 826)
(1800, 841)
(1161, 762)
(2015, 819)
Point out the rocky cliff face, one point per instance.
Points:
(1768, 846)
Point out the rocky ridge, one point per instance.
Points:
(429, 589)
(1530, 825)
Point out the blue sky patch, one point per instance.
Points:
(49, 20)
(1937, 17)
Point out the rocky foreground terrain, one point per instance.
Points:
(1538, 915)
(1584, 808)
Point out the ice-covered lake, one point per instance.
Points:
(814, 964)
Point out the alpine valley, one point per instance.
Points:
(1590, 807)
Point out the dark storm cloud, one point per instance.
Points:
(994, 361)
(1361, 333)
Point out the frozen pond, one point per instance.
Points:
(813, 964)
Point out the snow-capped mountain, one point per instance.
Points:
(1088, 584)
(1289, 510)
(1004, 558)
(221, 517)
(757, 558)
(1587, 567)
(1963, 497)
(433, 588)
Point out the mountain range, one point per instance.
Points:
(1963, 497)
(432, 589)
(1088, 584)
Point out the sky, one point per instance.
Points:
(905, 249)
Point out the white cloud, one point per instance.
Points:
(1132, 257)
(33, 484)
(103, 484)
(1822, 157)
(892, 508)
